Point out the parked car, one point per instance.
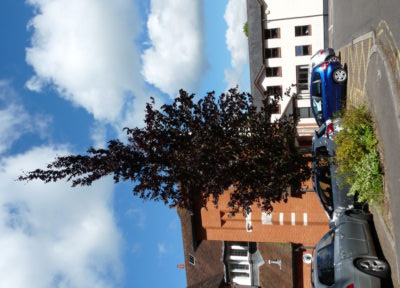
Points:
(328, 90)
(346, 255)
(320, 57)
(324, 170)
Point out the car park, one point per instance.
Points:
(328, 90)
(332, 196)
(346, 255)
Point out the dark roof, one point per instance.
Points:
(208, 271)
(270, 274)
(255, 12)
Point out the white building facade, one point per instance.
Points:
(283, 35)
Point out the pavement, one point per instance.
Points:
(373, 63)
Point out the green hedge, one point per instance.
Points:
(358, 158)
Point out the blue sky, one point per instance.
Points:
(73, 73)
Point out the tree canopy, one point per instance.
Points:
(194, 149)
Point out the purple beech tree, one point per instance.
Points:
(191, 150)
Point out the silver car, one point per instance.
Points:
(346, 255)
(324, 171)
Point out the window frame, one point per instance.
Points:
(302, 70)
(274, 52)
(269, 31)
(305, 50)
(302, 30)
(271, 72)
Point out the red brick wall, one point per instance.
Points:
(217, 225)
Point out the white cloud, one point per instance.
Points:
(86, 51)
(52, 235)
(176, 58)
(236, 41)
(98, 134)
(15, 120)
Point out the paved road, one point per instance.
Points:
(367, 34)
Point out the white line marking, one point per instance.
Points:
(305, 220)
(293, 219)
(281, 218)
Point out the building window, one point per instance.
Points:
(191, 259)
(302, 79)
(237, 252)
(272, 53)
(273, 90)
(303, 112)
(303, 50)
(272, 33)
(239, 268)
(302, 30)
(274, 71)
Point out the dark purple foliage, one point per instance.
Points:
(191, 150)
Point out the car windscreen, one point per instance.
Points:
(316, 97)
(325, 265)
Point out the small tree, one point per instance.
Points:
(191, 150)
(246, 29)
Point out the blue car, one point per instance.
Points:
(328, 90)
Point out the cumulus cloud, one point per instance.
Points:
(176, 58)
(52, 235)
(85, 50)
(236, 41)
(15, 120)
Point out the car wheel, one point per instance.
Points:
(375, 267)
(359, 214)
(339, 75)
(333, 59)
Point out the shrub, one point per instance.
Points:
(245, 29)
(357, 156)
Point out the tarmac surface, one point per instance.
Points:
(366, 33)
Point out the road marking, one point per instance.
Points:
(293, 216)
(281, 218)
(305, 220)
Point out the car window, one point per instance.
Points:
(317, 109)
(325, 267)
(327, 239)
(324, 181)
(316, 88)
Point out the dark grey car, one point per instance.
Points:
(332, 196)
(346, 256)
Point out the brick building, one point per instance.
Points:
(252, 250)
(266, 249)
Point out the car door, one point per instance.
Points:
(352, 238)
(324, 181)
(316, 97)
